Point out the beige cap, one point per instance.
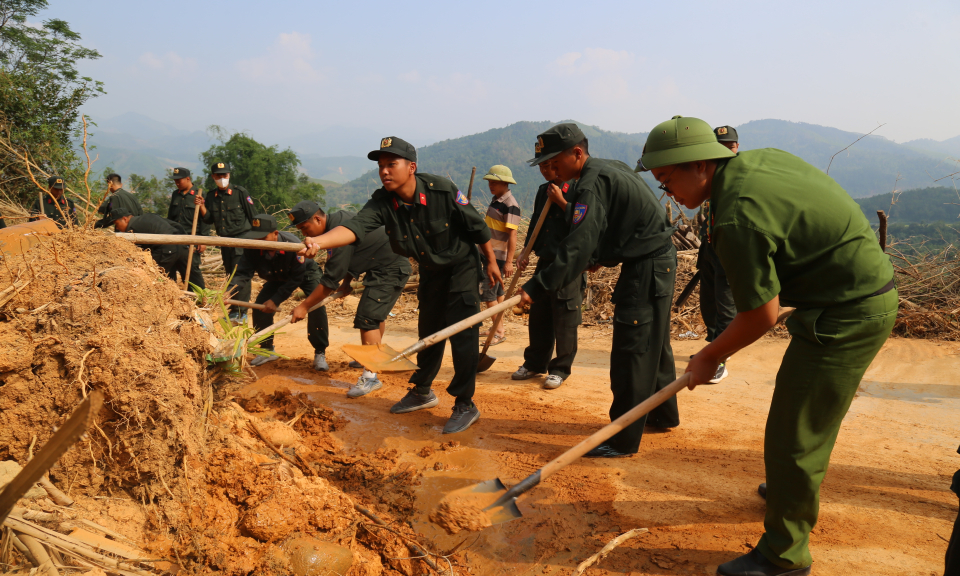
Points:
(500, 173)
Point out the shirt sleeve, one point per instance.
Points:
(208, 217)
(474, 225)
(337, 266)
(512, 219)
(247, 202)
(575, 251)
(367, 220)
(748, 256)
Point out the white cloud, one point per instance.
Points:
(170, 63)
(288, 61)
(593, 60)
(411, 77)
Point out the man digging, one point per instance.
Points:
(427, 218)
(786, 234)
(384, 273)
(170, 257)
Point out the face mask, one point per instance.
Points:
(222, 182)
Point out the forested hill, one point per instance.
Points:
(512, 146)
(926, 206)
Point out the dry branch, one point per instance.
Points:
(607, 549)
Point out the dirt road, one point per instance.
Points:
(885, 505)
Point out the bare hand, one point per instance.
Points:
(201, 248)
(508, 269)
(198, 200)
(522, 264)
(269, 307)
(493, 273)
(555, 194)
(298, 314)
(702, 368)
(311, 250)
(525, 299)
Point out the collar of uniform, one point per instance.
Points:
(192, 191)
(504, 197)
(419, 196)
(62, 200)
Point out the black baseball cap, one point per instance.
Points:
(119, 212)
(397, 146)
(219, 168)
(263, 224)
(179, 173)
(302, 212)
(55, 182)
(555, 140)
(726, 134)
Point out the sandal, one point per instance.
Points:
(498, 339)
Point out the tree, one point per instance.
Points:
(40, 96)
(269, 174)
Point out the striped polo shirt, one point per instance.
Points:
(503, 216)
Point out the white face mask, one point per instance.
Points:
(222, 182)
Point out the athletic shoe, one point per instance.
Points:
(261, 360)
(720, 375)
(355, 364)
(364, 386)
(320, 362)
(463, 417)
(523, 374)
(413, 402)
(762, 490)
(756, 564)
(238, 318)
(605, 451)
(552, 382)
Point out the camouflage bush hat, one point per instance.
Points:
(500, 173)
(681, 140)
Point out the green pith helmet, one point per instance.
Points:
(680, 140)
(500, 173)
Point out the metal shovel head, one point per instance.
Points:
(489, 497)
(378, 358)
(486, 361)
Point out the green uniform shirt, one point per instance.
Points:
(163, 254)
(230, 211)
(283, 266)
(181, 211)
(782, 226)
(51, 211)
(555, 227)
(356, 259)
(438, 230)
(121, 199)
(615, 218)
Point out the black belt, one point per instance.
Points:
(886, 288)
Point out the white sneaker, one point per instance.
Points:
(523, 374)
(720, 375)
(552, 382)
(320, 362)
(261, 360)
(364, 386)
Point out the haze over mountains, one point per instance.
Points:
(133, 143)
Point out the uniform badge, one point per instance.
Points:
(329, 253)
(538, 147)
(230, 192)
(565, 187)
(219, 164)
(461, 199)
(300, 259)
(579, 211)
(176, 170)
(721, 131)
(249, 200)
(192, 193)
(291, 217)
(423, 198)
(59, 181)
(256, 223)
(386, 142)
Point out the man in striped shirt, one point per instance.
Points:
(503, 219)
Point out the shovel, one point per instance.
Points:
(285, 321)
(487, 361)
(382, 358)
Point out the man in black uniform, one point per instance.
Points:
(116, 198)
(170, 257)
(230, 210)
(284, 272)
(428, 219)
(384, 272)
(616, 219)
(556, 317)
(181, 211)
(55, 206)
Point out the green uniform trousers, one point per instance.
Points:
(830, 350)
(554, 319)
(641, 359)
(231, 259)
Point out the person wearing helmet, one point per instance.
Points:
(786, 234)
(616, 220)
(503, 219)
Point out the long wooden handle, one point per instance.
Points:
(457, 328)
(516, 273)
(285, 321)
(193, 232)
(470, 187)
(184, 240)
(253, 305)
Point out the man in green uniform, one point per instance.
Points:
(55, 205)
(428, 219)
(787, 234)
(170, 257)
(616, 219)
(116, 198)
(284, 272)
(230, 209)
(182, 205)
(556, 317)
(384, 272)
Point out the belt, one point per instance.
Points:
(886, 288)
(666, 249)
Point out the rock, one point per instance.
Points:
(8, 470)
(312, 557)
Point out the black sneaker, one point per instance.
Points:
(413, 402)
(756, 564)
(762, 490)
(463, 417)
(605, 451)
(355, 364)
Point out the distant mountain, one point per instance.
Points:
(926, 206)
(950, 149)
(338, 169)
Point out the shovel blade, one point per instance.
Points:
(487, 496)
(485, 363)
(378, 358)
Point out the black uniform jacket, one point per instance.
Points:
(163, 254)
(181, 211)
(230, 211)
(284, 266)
(355, 259)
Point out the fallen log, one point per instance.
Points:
(187, 239)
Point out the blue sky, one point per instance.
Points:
(437, 70)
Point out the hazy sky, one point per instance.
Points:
(436, 70)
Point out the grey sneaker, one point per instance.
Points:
(355, 364)
(320, 362)
(720, 375)
(261, 360)
(463, 417)
(552, 382)
(364, 386)
(413, 402)
(523, 374)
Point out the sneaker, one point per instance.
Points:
(755, 563)
(720, 375)
(261, 360)
(463, 417)
(320, 362)
(552, 382)
(762, 490)
(523, 374)
(364, 386)
(413, 402)
(238, 318)
(605, 451)
(355, 364)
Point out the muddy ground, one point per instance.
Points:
(885, 505)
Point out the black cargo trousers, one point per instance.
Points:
(554, 319)
(641, 360)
